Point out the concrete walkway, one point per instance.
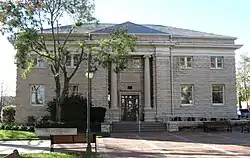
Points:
(42, 146)
(32, 146)
(151, 145)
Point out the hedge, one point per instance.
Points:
(8, 114)
(74, 108)
(16, 127)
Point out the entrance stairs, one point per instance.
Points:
(131, 127)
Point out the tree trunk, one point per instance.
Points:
(58, 93)
(60, 100)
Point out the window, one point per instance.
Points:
(218, 94)
(186, 94)
(186, 62)
(217, 62)
(72, 60)
(73, 89)
(38, 61)
(136, 63)
(37, 94)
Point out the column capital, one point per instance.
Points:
(146, 56)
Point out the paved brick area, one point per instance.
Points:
(178, 145)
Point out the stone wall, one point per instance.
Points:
(45, 77)
(202, 77)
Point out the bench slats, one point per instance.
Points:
(71, 139)
(217, 125)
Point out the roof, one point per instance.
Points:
(139, 29)
(131, 28)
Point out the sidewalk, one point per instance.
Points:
(41, 146)
(27, 146)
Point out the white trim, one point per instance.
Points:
(223, 91)
(189, 53)
(167, 43)
(37, 105)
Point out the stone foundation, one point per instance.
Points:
(46, 132)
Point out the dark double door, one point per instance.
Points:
(129, 107)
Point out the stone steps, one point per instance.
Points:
(130, 127)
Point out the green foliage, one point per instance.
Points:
(24, 23)
(8, 114)
(16, 127)
(243, 78)
(119, 44)
(16, 135)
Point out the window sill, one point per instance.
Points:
(213, 68)
(183, 105)
(218, 104)
(37, 105)
(186, 68)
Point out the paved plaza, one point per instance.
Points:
(152, 145)
(179, 145)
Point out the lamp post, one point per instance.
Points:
(89, 74)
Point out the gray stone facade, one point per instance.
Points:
(159, 49)
(202, 77)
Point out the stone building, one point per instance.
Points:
(173, 71)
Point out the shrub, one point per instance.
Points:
(74, 108)
(16, 127)
(7, 127)
(8, 114)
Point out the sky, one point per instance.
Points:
(225, 17)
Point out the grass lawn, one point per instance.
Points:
(58, 155)
(17, 135)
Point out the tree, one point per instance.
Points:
(243, 79)
(24, 22)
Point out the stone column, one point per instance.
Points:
(147, 93)
(113, 87)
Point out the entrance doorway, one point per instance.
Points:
(129, 107)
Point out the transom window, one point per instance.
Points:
(186, 62)
(217, 62)
(187, 94)
(72, 60)
(218, 94)
(37, 94)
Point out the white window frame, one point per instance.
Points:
(223, 95)
(72, 61)
(185, 66)
(216, 62)
(30, 95)
(39, 63)
(192, 94)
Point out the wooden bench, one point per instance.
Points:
(70, 139)
(245, 127)
(217, 125)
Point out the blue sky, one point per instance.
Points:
(226, 17)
